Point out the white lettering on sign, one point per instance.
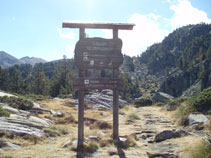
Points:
(92, 62)
(86, 81)
(85, 53)
(85, 58)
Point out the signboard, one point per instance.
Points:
(98, 83)
(98, 53)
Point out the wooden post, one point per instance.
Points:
(115, 99)
(115, 109)
(81, 102)
(115, 33)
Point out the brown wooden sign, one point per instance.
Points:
(98, 83)
(98, 53)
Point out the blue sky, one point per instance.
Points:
(34, 27)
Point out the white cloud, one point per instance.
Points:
(69, 35)
(146, 32)
(185, 13)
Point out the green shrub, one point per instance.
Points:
(35, 97)
(17, 102)
(209, 112)
(4, 113)
(142, 102)
(202, 101)
(177, 102)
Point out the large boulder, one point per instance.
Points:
(195, 119)
(168, 134)
(161, 97)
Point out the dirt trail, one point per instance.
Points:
(152, 120)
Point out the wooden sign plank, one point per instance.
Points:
(123, 26)
(98, 53)
(98, 83)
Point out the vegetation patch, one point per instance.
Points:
(4, 113)
(202, 101)
(66, 120)
(17, 102)
(35, 97)
(54, 132)
(133, 117)
(142, 102)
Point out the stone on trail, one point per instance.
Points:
(195, 119)
(168, 134)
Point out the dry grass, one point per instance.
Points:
(52, 147)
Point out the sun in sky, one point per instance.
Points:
(34, 28)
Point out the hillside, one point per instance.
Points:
(7, 60)
(179, 65)
(32, 60)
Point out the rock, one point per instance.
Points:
(14, 111)
(59, 114)
(195, 119)
(161, 97)
(66, 144)
(158, 154)
(113, 151)
(10, 109)
(103, 100)
(170, 107)
(94, 138)
(56, 114)
(124, 142)
(36, 105)
(5, 144)
(107, 92)
(2, 94)
(181, 133)
(20, 127)
(11, 145)
(168, 134)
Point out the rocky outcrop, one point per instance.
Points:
(161, 97)
(103, 100)
(22, 123)
(195, 119)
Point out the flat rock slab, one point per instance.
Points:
(21, 125)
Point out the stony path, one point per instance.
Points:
(152, 121)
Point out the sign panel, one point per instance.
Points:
(98, 53)
(98, 83)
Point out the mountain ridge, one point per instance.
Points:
(7, 60)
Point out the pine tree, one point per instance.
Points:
(62, 80)
(41, 84)
(16, 83)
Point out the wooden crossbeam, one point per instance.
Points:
(119, 26)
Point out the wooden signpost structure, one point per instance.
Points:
(98, 54)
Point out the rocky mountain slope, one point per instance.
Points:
(32, 60)
(7, 60)
(179, 65)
